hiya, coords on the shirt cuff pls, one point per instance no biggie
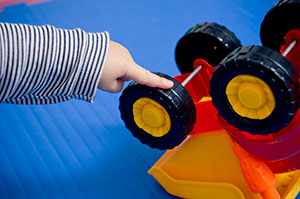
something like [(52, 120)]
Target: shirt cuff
[(97, 45)]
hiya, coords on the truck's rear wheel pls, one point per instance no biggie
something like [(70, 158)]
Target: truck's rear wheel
[(283, 17), (208, 41)]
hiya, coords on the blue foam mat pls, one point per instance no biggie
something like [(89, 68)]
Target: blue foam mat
[(80, 150)]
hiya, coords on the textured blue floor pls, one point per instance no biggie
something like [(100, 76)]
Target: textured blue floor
[(81, 150)]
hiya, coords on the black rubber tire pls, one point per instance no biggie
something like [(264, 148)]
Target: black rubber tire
[(177, 102), (283, 17), (200, 42), (271, 67)]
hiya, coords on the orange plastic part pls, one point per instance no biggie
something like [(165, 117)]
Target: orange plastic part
[(257, 174)]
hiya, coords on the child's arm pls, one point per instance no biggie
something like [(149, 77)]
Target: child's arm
[(43, 64)]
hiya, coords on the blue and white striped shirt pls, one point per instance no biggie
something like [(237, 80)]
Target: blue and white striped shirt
[(43, 64)]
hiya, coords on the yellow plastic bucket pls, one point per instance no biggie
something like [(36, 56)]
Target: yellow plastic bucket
[(204, 166)]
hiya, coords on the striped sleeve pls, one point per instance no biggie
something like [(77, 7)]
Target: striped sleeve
[(44, 65)]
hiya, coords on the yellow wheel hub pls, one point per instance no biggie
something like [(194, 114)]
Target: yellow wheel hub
[(250, 97), (151, 117)]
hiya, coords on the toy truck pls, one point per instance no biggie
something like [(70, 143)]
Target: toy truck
[(231, 121)]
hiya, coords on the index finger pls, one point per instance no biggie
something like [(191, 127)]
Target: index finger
[(143, 76)]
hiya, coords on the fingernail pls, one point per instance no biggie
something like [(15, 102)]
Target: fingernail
[(168, 83)]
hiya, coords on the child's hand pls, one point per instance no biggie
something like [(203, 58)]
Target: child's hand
[(120, 66)]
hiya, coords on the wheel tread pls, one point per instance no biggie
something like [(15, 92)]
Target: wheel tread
[(199, 41), (176, 100), (275, 68)]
